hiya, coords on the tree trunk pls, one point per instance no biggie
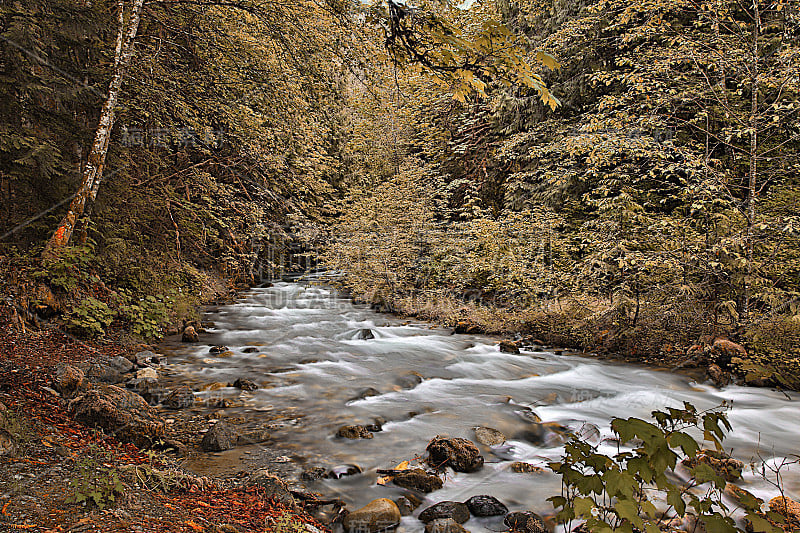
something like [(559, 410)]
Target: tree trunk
[(93, 172)]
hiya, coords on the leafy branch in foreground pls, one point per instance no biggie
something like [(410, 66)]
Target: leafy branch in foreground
[(639, 489)]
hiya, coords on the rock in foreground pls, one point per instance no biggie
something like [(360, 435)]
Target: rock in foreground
[(377, 515), (459, 454), (525, 522), (485, 505), (119, 412), (454, 510)]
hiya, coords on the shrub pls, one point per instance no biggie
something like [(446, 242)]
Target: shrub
[(89, 318)]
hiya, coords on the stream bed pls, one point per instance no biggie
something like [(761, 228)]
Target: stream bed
[(302, 343)]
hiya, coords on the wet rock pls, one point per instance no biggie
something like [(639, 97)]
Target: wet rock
[(219, 437), (459, 454), (218, 349), (718, 377), (366, 393), (119, 412), (250, 349), (338, 472), (455, 510), (525, 521), (507, 346), (354, 432), (147, 372), (417, 479), (8, 444), (489, 436), (525, 468), (180, 398), (68, 380), (410, 380), (245, 384), (146, 358), (271, 487), (225, 354), (467, 327), (148, 388), (407, 504), (190, 335), (722, 464), (788, 509), (313, 474), (365, 334), (377, 515), (444, 525), (485, 505)]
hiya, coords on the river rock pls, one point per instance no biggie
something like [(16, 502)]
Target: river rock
[(723, 350), (366, 393), (340, 471), (190, 335), (218, 349), (120, 413), (120, 364), (219, 437), (365, 334), (787, 508), (377, 515), (97, 370), (255, 436), (410, 380), (459, 454), (271, 487), (245, 384), (147, 372), (525, 522), (354, 432), (718, 377), (485, 505), (525, 468), (250, 349), (507, 346), (417, 479), (148, 388), (455, 510), (68, 380), (313, 473), (489, 436), (145, 358), (444, 525), (180, 398), (465, 326), (407, 504), (721, 463)]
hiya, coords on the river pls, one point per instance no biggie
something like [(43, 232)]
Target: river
[(301, 343)]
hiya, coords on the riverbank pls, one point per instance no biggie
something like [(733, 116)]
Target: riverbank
[(60, 474), (765, 354)]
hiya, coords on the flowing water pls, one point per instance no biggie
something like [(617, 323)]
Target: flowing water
[(312, 365)]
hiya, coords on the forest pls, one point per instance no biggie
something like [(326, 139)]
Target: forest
[(617, 178)]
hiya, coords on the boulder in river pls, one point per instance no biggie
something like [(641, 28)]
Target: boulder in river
[(68, 380), (340, 471), (525, 522), (459, 454), (245, 384), (313, 473), (485, 505), (721, 463), (217, 349), (417, 479), (366, 393), (723, 350), (407, 504), (455, 510), (377, 515), (489, 436), (190, 335), (467, 327), (250, 349), (120, 413), (718, 377), (444, 525), (365, 334), (180, 398), (507, 346), (525, 468), (219, 437), (354, 432)]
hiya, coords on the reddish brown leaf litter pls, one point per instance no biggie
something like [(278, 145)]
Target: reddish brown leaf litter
[(35, 480)]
